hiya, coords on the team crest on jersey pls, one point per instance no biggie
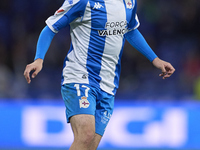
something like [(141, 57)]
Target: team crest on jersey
[(83, 102), (129, 4)]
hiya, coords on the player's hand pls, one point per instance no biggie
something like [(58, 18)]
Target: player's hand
[(166, 68), (36, 66)]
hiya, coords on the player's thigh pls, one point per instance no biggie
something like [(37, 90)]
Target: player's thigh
[(83, 125)]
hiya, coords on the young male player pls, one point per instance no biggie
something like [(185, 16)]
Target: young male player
[(91, 70)]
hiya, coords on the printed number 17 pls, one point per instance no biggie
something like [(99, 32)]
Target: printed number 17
[(78, 89)]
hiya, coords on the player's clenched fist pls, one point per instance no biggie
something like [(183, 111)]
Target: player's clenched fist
[(36, 66)]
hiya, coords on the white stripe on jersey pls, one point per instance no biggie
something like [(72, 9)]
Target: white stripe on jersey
[(111, 54), (76, 66)]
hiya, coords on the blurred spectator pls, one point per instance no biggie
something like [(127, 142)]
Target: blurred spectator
[(5, 73)]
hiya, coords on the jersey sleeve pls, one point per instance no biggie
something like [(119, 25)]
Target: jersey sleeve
[(69, 11), (134, 22), (44, 42), (136, 39)]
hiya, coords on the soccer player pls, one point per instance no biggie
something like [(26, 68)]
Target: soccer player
[(90, 77)]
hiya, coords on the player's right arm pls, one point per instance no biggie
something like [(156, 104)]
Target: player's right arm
[(43, 44), (69, 11), (35, 66)]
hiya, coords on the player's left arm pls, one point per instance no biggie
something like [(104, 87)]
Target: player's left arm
[(135, 38), (166, 68)]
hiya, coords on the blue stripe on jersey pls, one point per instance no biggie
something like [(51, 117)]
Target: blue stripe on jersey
[(96, 44), (64, 64), (76, 11), (70, 49), (133, 23), (118, 70)]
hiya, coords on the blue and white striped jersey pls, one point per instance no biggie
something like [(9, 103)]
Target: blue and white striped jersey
[(97, 29)]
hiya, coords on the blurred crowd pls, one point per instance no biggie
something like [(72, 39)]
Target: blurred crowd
[(170, 27)]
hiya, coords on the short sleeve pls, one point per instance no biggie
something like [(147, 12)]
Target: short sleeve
[(69, 11), (134, 24)]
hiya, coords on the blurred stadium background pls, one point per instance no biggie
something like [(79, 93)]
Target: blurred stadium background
[(164, 113)]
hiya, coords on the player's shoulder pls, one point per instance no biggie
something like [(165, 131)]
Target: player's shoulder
[(84, 1)]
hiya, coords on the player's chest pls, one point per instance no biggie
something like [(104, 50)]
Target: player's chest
[(108, 14)]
